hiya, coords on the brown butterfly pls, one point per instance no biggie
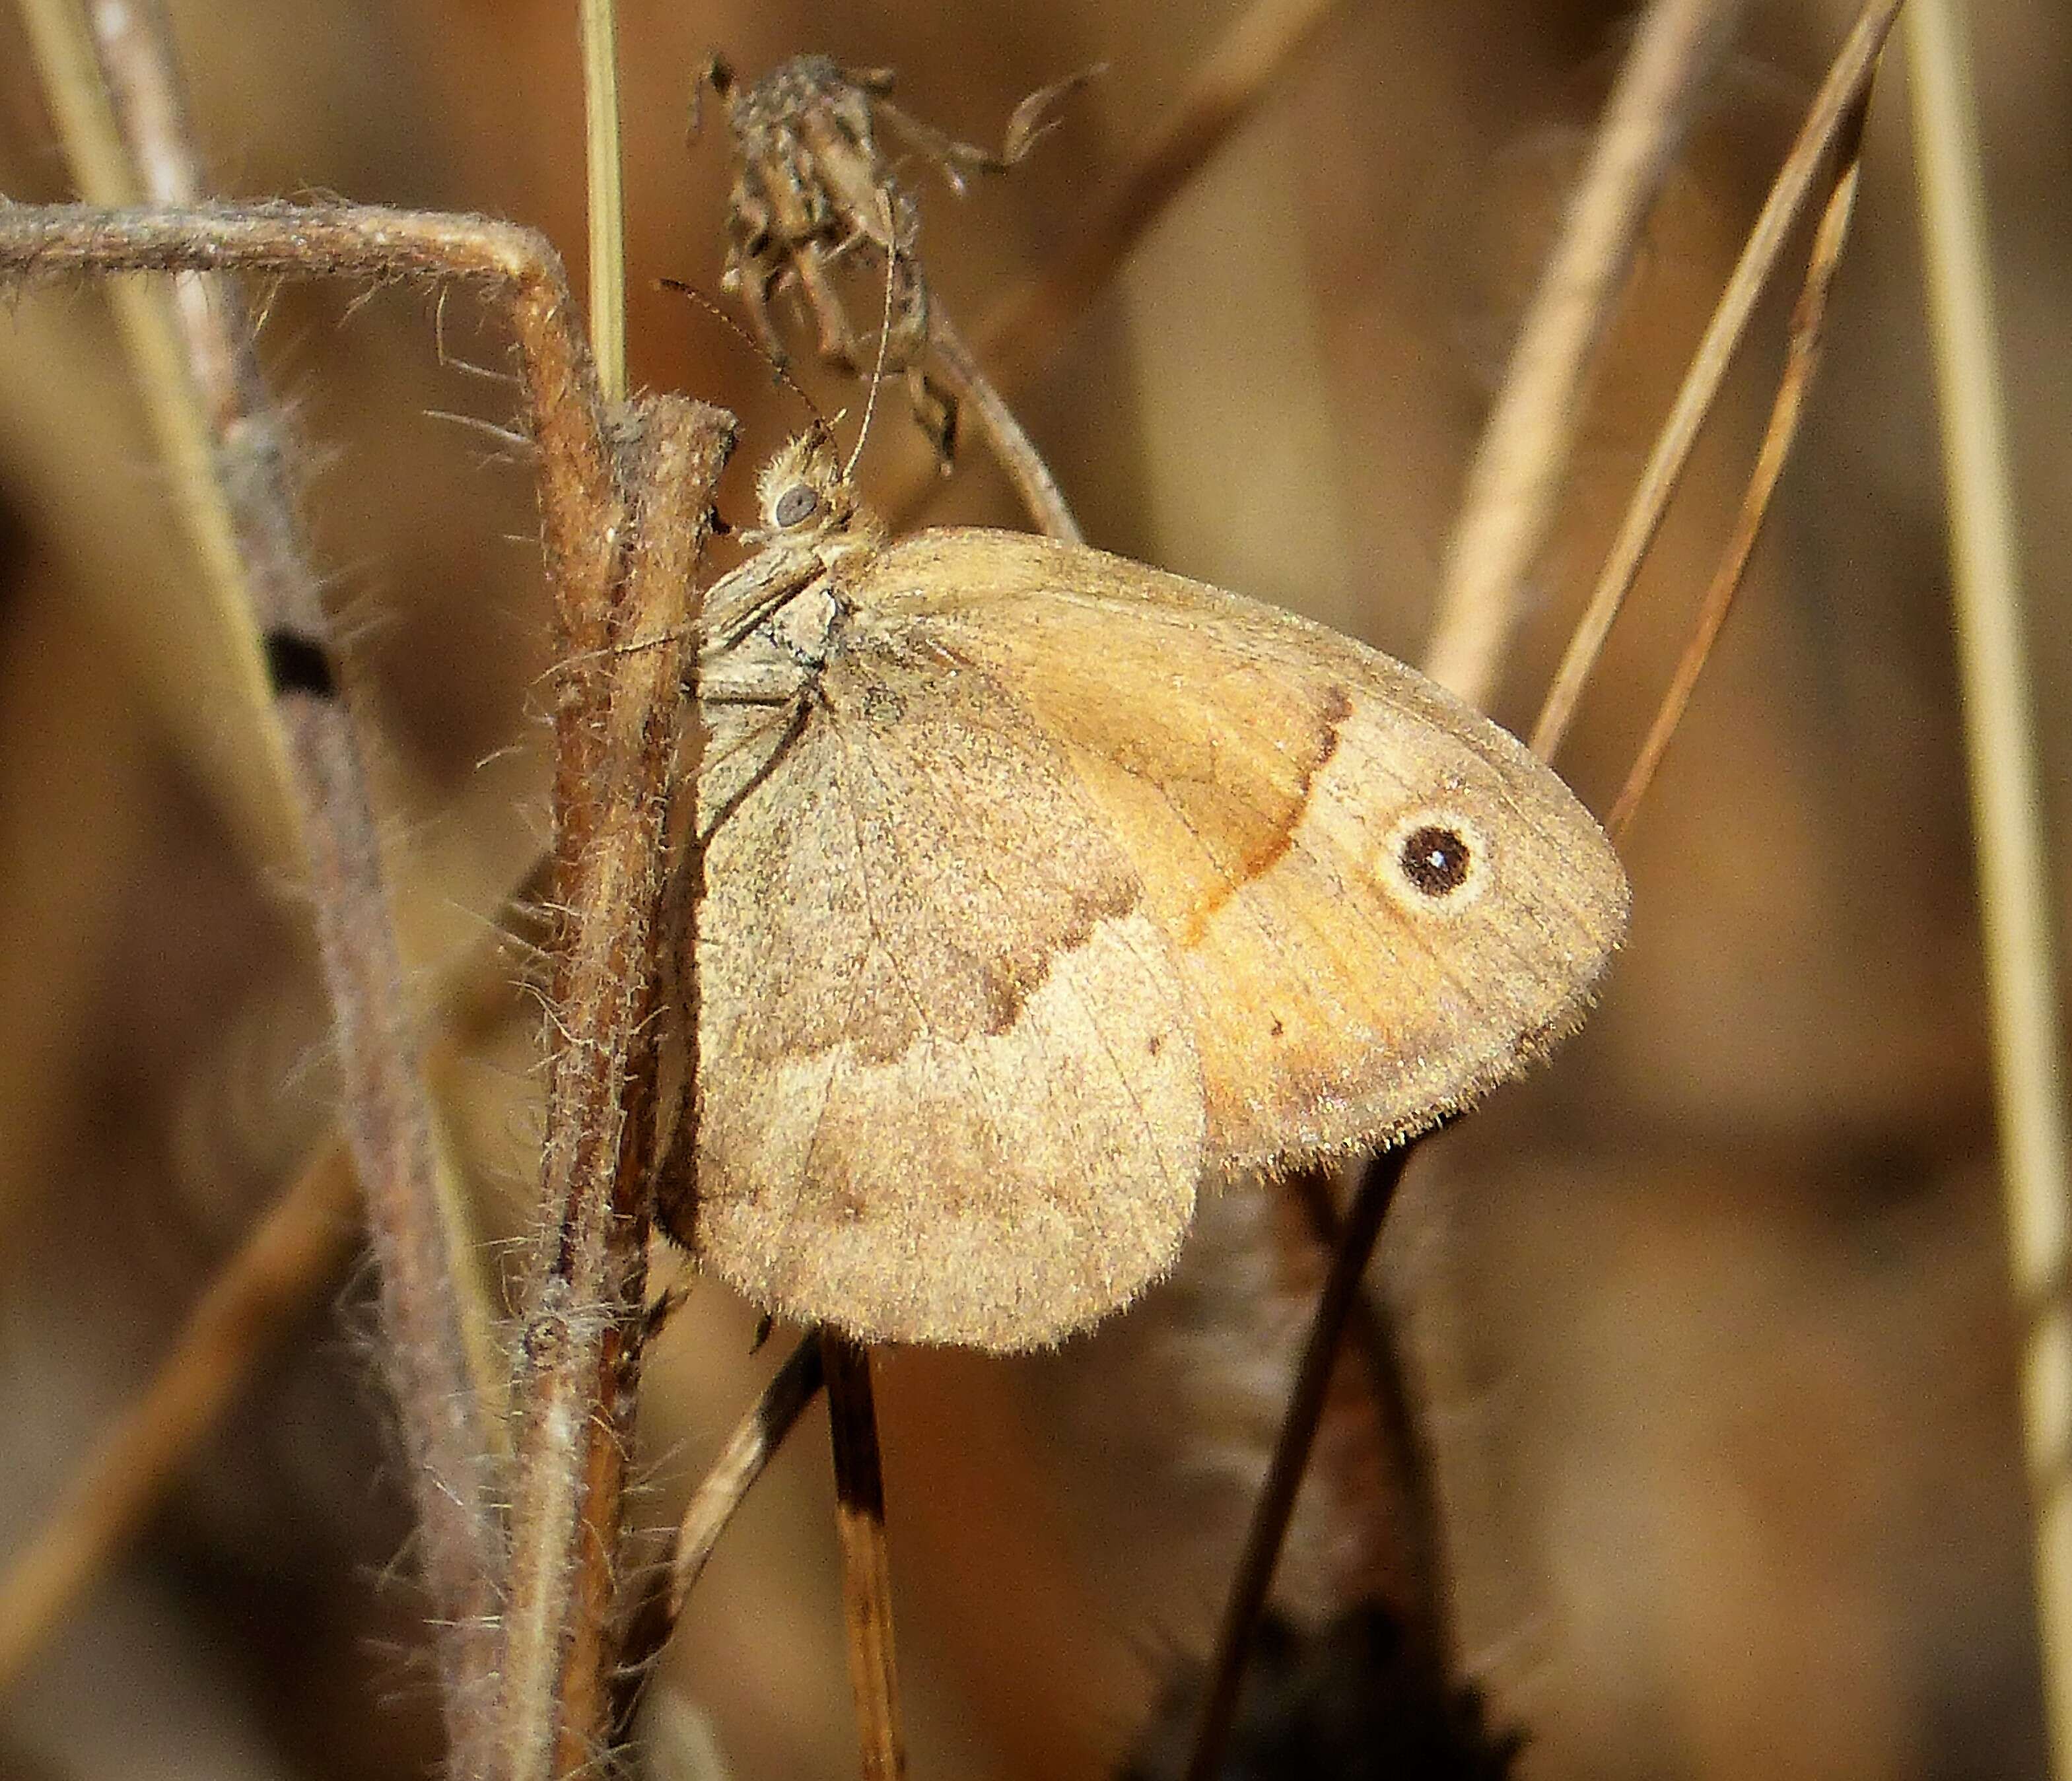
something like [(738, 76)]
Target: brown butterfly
[(1037, 888)]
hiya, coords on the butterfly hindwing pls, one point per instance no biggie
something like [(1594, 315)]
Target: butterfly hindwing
[(948, 1080)]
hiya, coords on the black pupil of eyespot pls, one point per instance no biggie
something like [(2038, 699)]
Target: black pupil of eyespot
[(796, 503), (1435, 860)]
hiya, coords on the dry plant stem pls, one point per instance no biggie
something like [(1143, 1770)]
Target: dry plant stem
[(1510, 500), (2007, 808), (426, 1266), (372, 242), (261, 802), (582, 515), (388, 1111), (1802, 357), (1225, 90), (1407, 1456), (866, 1564), (1841, 96), (1012, 447), (586, 1312), (302, 1241), (1361, 1229), (749, 1449)]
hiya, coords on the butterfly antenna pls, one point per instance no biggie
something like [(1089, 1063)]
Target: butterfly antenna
[(777, 366), (884, 333)]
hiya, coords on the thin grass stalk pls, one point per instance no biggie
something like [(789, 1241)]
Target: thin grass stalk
[(865, 1559), (1414, 1515), (1269, 1529), (1802, 357), (262, 801), (1012, 448), (2007, 808), (1840, 97), (651, 1620), (751, 1447), (604, 178), (1510, 499), (303, 1241)]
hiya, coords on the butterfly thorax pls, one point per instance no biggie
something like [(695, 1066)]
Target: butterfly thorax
[(771, 627)]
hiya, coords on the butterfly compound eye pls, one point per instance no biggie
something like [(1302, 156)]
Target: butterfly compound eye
[(796, 505), (1437, 860)]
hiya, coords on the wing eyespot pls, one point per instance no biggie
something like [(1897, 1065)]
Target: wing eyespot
[(1435, 862)]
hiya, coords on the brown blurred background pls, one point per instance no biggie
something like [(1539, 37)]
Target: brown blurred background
[(1710, 1315)]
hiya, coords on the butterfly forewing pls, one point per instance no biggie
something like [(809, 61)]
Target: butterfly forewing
[(1266, 776)]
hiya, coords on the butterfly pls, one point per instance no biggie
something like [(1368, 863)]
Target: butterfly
[(1036, 888)]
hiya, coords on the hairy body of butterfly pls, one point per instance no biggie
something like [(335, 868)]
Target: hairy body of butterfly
[(1036, 887)]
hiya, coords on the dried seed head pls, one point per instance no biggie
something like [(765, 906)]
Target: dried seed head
[(813, 189)]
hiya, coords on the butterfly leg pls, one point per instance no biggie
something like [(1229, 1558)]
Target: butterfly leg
[(737, 603), (769, 677)]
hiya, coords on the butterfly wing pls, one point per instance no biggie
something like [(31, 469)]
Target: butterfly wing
[(947, 1085), (1379, 904)]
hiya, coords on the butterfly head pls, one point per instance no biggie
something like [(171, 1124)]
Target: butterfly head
[(807, 499)]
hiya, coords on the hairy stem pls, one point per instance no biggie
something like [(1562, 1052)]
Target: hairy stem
[(1012, 447), (584, 1312), (206, 370)]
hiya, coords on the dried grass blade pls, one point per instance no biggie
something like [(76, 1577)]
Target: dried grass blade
[(255, 783), (2015, 890), (1512, 485), (1840, 97), (607, 209), (301, 1242), (1802, 358), (751, 1447), (1012, 448)]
